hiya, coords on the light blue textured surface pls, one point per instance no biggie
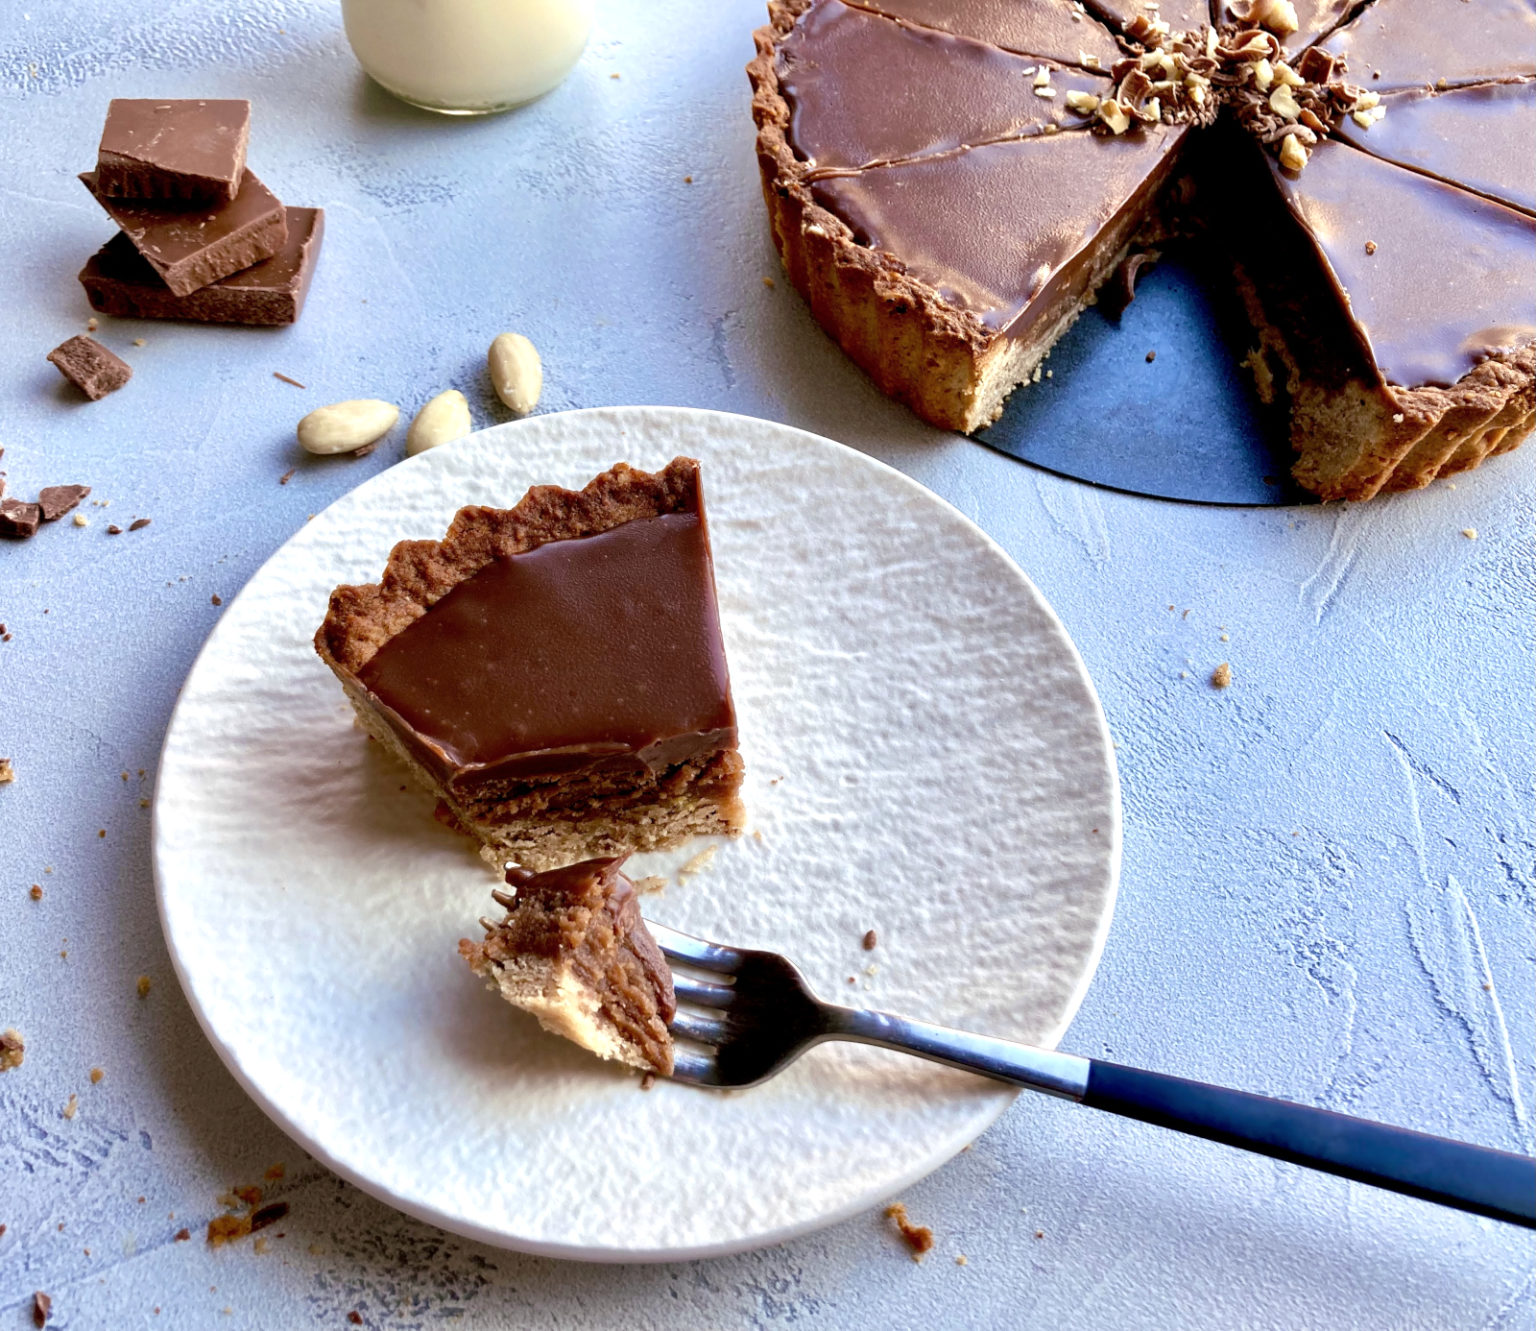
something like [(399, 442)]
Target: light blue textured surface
[(1328, 891)]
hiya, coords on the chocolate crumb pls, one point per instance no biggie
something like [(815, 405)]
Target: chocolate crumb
[(286, 476), (138, 524), (870, 940), (687, 180), (42, 1305), (1151, 356), (18, 520), (13, 1049), (36, 892), (1221, 677), (57, 500), (216, 599), (768, 282), (1370, 247), (1039, 1233), (918, 1237), (96, 1075), (182, 1235), (278, 374), (355, 1317), (274, 1172), (88, 365), (114, 530)]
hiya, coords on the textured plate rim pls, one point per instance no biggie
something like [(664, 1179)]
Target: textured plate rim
[(944, 1150)]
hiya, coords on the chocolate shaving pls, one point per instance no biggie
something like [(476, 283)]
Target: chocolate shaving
[(138, 524), (1116, 294), (42, 1305), (114, 530), (278, 374), (268, 1215)]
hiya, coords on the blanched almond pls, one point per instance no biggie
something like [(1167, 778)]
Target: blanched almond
[(517, 374), (443, 419), (345, 427)]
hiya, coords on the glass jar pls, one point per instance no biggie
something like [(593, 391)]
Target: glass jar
[(467, 57)]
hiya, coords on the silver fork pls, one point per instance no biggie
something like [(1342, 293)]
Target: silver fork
[(751, 1014)]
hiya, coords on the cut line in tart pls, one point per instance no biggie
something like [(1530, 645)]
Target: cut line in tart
[(573, 950), (555, 672), (949, 182)]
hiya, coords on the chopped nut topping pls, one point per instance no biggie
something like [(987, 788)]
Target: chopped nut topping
[(1292, 154), (1282, 103), (1113, 115), (1188, 78)]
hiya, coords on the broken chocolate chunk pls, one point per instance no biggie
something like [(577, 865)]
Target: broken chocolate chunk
[(88, 365), (56, 500), (185, 149), (119, 280), (138, 524), (191, 248), (18, 520)]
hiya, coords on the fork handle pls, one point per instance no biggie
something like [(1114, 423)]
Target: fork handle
[(1472, 1178)]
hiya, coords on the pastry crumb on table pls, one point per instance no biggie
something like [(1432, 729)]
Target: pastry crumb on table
[(919, 1238)]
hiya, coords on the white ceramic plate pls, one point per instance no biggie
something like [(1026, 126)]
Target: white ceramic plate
[(926, 757)]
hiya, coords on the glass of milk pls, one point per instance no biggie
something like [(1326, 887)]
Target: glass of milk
[(467, 57)]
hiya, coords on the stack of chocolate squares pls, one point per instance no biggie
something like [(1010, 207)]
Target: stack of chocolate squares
[(202, 238)]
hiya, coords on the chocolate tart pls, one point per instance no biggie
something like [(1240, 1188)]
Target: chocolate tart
[(554, 672), (574, 951), (949, 184)]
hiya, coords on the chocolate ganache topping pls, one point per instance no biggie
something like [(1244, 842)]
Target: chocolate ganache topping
[(598, 649)]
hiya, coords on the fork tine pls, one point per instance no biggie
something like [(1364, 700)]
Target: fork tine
[(698, 1026), (702, 992), (696, 1067), (691, 951)]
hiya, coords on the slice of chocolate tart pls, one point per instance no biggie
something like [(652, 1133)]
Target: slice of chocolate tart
[(555, 672)]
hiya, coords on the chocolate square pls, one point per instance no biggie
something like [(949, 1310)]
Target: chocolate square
[(119, 281), (184, 149), (192, 247), (88, 365)]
